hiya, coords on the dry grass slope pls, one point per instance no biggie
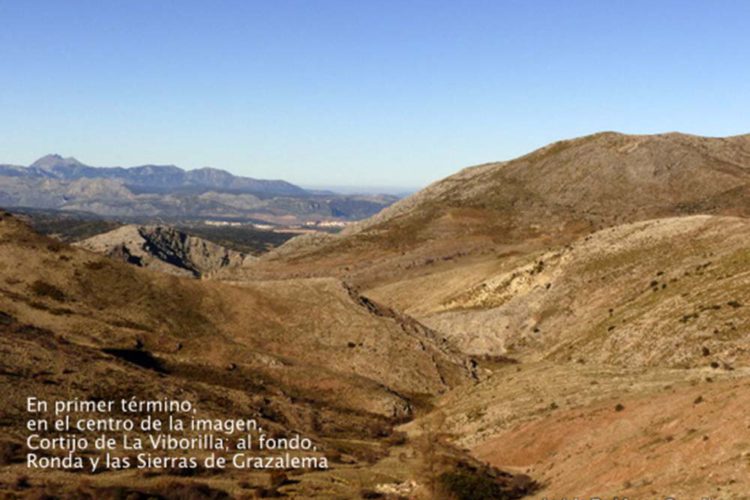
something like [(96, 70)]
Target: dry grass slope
[(309, 356)]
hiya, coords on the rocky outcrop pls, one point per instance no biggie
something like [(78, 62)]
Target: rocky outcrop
[(165, 249)]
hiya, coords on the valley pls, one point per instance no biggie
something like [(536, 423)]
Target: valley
[(573, 322)]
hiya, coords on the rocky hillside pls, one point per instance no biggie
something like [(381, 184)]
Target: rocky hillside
[(667, 292), (602, 285), (577, 316), (164, 249), (597, 431), (550, 196), (309, 356)]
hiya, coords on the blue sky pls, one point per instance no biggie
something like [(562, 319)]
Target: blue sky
[(387, 92)]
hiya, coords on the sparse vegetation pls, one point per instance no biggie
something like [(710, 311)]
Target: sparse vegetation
[(463, 485), (309, 355), (43, 289)]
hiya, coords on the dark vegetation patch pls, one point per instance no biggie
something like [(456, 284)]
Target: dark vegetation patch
[(6, 319), (494, 359), (245, 239), (68, 227), (11, 453), (43, 289), (95, 265), (22, 482), (469, 482), (144, 359), (366, 493), (121, 252), (688, 317), (55, 246)]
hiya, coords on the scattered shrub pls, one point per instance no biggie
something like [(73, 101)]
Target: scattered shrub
[(95, 265), (688, 317), (277, 478), (397, 438), (465, 486), (10, 452), (43, 289), (22, 482), (6, 319), (55, 246)]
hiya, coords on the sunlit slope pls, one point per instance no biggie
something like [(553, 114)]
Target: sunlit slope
[(550, 196), (669, 292), (308, 356), (594, 430)]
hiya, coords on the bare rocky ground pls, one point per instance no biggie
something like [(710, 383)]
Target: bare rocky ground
[(164, 249)]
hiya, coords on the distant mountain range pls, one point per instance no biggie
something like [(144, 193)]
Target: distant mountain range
[(54, 182), (154, 178)]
